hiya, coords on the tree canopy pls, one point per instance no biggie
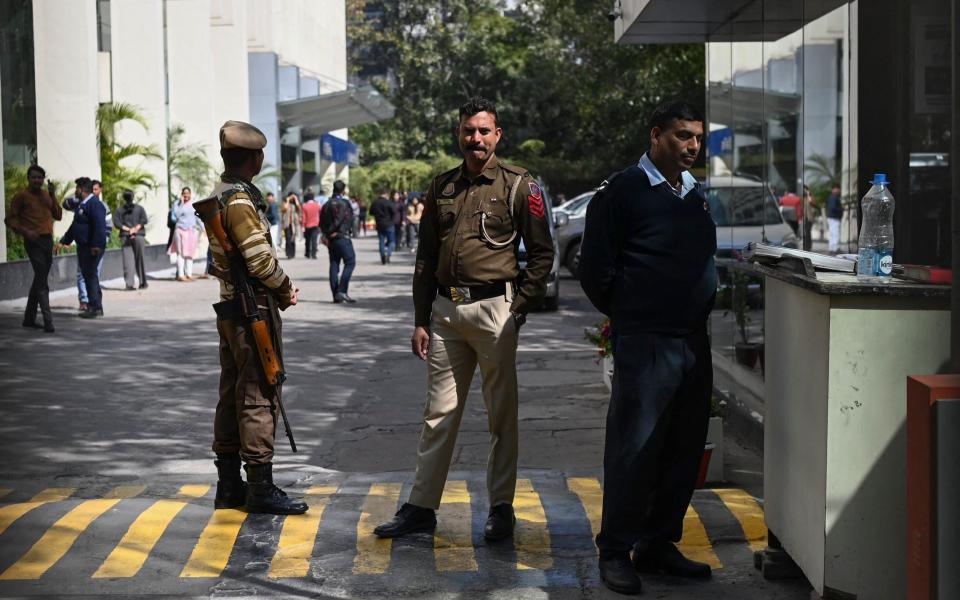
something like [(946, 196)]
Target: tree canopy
[(573, 104)]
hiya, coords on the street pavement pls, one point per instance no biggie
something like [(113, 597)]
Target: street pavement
[(106, 487)]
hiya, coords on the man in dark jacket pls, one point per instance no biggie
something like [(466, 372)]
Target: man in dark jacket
[(89, 231), (131, 219), (384, 213), (336, 223), (647, 262)]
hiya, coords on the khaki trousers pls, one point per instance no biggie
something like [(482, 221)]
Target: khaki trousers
[(246, 417), (463, 336)]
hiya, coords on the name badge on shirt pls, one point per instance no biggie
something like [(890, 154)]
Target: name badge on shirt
[(444, 201)]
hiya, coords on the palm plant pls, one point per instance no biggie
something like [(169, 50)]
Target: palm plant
[(116, 170), (187, 163)]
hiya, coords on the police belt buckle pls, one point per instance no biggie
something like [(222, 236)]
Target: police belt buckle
[(460, 294)]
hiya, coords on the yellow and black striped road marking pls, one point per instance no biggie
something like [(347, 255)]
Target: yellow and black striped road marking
[(557, 517)]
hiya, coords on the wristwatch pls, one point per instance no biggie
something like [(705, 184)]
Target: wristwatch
[(518, 319)]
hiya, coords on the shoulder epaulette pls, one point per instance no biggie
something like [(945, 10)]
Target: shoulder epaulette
[(513, 169)]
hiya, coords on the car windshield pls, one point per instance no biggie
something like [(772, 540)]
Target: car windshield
[(742, 207), (573, 205)]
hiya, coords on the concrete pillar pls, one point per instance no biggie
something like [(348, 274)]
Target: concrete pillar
[(67, 90), (263, 76), (139, 78), (190, 78), (230, 68)]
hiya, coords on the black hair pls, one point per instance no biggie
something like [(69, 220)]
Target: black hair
[(339, 186), (36, 168), (235, 158), (185, 189), (96, 182), (270, 194), (308, 196), (479, 104), (664, 114), (127, 195), (85, 184)]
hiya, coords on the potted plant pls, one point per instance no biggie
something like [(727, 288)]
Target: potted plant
[(718, 409), (599, 336), (747, 352)]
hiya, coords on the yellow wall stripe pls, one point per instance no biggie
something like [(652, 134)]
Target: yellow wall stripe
[(748, 512), (128, 557), (213, 549), (591, 497), (60, 537), (531, 538), (453, 541), (299, 534), (373, 553), (12, 512), (695, 544)]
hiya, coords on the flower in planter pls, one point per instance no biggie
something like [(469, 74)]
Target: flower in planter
[(599, 336)]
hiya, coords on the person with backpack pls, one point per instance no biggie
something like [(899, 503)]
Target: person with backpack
[(336, 223)]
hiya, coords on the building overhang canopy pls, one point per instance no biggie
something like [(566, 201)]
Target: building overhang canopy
[(317, 115), (691, 21)]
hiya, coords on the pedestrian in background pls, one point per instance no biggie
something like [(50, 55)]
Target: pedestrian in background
[(649, 228), (791, 207), (834, 218), (336, 221), (355, 209), (186, 236), (290, 221), (273, 218), (414, 212), (131, 219), (32, 213), (399, 217), (362, 218), (89, 231), (810, 214), (311, 225), (383, 210), (468, 310), (71, 203)]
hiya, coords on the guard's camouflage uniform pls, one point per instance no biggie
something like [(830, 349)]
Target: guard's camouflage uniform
[(246, 417)]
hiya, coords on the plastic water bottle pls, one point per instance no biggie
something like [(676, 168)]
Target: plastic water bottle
[(875, 256)]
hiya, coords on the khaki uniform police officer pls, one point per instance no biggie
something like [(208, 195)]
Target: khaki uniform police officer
[(470, 300), (246, 419)]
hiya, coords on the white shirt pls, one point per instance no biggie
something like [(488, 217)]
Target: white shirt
[(688, 181)]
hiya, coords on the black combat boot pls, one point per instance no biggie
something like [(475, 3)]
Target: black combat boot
[(264, 497), (231, 490)]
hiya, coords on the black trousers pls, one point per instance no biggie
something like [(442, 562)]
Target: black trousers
[(656, 428), (88, 268), (291, 241), (133, 247), (311, 234), (40, 253)]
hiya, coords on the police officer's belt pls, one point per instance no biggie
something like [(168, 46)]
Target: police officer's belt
[(476, 292)]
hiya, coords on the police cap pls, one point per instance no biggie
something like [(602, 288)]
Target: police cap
[(237, 134)]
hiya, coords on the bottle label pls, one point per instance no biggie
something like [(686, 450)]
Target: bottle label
[(884, 262), (867, 262)]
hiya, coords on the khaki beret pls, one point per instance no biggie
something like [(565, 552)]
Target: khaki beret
[(237, 134)]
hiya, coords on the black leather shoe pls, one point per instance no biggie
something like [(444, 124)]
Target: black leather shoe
[(664, 557), (500, 523), (91, 313), (348, 299), (409, 519), (31, 325), (264, 497), (619, 575), (338, 299), (48, 328), (231, 490)]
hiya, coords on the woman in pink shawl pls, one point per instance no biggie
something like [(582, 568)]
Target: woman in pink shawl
[(185, 236)]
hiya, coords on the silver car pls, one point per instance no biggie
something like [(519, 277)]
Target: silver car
[(570, 230)]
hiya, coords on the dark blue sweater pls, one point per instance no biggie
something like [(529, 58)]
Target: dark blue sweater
[(89, 225), (646, 259)]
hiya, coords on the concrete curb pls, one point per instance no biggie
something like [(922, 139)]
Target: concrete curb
[(744, 394)]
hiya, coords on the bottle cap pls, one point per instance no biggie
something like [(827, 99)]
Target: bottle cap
[(880, 179)]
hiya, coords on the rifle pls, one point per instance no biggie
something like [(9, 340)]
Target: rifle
[(271, 365)]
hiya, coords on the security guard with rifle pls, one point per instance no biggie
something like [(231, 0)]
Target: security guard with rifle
[(253, 289)]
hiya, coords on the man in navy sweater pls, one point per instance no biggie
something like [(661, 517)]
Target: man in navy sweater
[(89, 231), (647, 262)]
